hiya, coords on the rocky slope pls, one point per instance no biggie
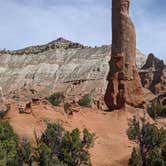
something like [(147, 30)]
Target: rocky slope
[(60, 65), (107, 144), (153, 75)]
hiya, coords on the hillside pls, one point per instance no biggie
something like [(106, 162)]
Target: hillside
[(63, 66), (60, 65), (107, 144)]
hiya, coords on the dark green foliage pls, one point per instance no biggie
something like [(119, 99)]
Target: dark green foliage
[(25, 153), (8, 145), (53, 137), (66, 107), (134, 129), (151, 143), (73, 153), (88, 138), (2, 114), (56, 98), (157, 110), (135, 159), (7, 133), (154, 157), (163, 153), (11, 153), (56, 147), (85, 101), (46, 157), (66, 147), (44, 154)]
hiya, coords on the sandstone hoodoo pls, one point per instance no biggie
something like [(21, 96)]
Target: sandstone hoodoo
[(124, 85)]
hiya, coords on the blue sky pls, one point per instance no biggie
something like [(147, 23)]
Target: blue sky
[(149, 17), (31, 22)]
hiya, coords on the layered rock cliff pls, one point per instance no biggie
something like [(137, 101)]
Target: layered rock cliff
[(153, 75), (59, 66)]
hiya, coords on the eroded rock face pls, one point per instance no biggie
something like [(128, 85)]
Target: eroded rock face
[(69, 68), (153, 75), (124, 85)]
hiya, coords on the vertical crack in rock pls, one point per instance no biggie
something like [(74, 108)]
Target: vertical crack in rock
[(124, 85)]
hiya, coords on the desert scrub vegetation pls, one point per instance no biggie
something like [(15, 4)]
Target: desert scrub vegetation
[(156, 110), (2, 114), (56, 98), (66, 107), (64, 148), (56, 147), (11, 152), (85, 101), (8, 145), (151, 141)]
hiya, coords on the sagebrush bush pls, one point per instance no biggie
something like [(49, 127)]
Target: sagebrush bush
[(135, 159), (56, 98), (57, 147), (11, 152), (2, 114), (25, 153), (151, 150), (157, 110), (85, 101), (64, 147), (8, 145), (66, 107)]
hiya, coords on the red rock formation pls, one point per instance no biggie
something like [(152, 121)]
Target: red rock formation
[(124, 85)]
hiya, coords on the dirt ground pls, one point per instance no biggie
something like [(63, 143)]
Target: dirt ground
[(111, 148)]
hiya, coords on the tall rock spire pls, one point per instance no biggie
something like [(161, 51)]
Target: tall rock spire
[(124, 85)]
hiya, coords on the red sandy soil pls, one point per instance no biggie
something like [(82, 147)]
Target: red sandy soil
[(112, 147)]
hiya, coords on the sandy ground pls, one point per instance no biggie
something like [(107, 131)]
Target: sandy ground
[(112, 147)]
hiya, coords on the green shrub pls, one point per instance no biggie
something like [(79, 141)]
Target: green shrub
[(151, 143), (11, 153), (66, 147), (46, 157), (56, 98), (88, 138), (44, 154), (53, 137), (154, 157), (135, 159), (66, 107), (56, 147), (7, 133), (25, 153), (157, 110), (8, 145), (2, 114), (85, 101)]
